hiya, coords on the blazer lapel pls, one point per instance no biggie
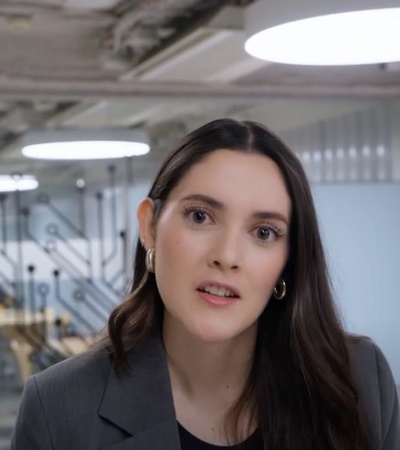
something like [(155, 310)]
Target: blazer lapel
[(140, 402)]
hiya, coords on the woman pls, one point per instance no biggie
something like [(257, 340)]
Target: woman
[(229, 338)]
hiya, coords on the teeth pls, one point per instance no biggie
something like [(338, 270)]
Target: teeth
[(219, 291)]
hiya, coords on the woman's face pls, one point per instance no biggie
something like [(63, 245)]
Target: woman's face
[(221, 243)]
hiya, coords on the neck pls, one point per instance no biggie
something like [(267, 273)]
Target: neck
[(207, 368)]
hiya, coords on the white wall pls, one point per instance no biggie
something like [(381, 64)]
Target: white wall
[(360, 226)]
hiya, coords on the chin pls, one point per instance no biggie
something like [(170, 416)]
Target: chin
[(214, 334)]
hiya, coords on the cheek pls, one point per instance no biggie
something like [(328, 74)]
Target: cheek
[(172, 244), (166, 250), (168, 243), (175, 241), (266, 270)]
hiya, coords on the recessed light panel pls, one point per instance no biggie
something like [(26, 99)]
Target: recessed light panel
[(349, 38)]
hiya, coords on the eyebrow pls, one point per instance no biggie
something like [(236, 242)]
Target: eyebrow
[(216, 204)]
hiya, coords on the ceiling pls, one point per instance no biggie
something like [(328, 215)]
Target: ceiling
[(169, 65)]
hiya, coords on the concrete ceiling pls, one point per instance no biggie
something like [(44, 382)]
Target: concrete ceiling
[(167, 65)]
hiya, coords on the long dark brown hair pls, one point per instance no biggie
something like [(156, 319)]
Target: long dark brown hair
[(300, 390)]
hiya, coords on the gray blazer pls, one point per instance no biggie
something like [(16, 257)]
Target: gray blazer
[(81, 404)]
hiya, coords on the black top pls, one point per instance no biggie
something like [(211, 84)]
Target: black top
[(190, 442)]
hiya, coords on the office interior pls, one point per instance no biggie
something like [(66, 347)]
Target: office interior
[(160, 69)]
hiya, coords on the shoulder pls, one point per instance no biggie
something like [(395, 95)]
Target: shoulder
[(75, 372), (365, 352), (71, 383), (61, 400), (369, 365), (377, 392)]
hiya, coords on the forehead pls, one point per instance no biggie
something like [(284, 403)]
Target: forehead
[(248, 180)]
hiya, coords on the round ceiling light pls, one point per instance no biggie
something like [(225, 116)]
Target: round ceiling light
[(324, 33), (85, 144), (17, 182)]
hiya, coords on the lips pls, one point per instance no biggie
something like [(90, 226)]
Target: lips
[(219, 289)]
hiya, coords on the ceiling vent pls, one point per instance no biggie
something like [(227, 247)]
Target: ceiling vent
[(212, 53)]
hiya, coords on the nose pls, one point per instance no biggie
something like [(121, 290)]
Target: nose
[(226, 251)]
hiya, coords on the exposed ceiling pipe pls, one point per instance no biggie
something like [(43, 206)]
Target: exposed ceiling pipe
[(133, 29), (142, 8), (100, 90), (130, 19), (27, 10)]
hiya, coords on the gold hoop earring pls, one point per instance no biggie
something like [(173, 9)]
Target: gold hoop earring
[(279, 291), (150, 260)]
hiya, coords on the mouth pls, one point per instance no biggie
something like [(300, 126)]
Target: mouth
[(218, 290)]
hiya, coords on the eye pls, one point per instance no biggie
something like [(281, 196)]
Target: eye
[(267, 234), (198, 216), (263, 233)]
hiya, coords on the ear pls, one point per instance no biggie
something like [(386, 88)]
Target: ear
[(145, 213)]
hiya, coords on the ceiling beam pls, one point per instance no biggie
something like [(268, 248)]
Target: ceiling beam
[(77, 90)]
